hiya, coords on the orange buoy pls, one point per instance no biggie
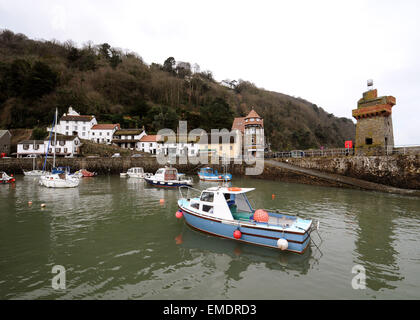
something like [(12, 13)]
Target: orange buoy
[(273, 196), (162, 201), (237, 234), (261, 215), (29, 203), (179, 214), (234, 189)]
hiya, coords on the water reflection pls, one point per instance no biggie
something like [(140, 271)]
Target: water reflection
[(243, 255), (375, 242)]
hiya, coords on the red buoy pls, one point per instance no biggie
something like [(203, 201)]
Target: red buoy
[(237, 234), (178, 214)]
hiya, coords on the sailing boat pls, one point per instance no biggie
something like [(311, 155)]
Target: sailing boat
[(34, 172), (57, 180)]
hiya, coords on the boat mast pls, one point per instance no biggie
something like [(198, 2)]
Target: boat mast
[(55, 136)]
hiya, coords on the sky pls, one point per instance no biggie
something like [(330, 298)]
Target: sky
[(321, 51)]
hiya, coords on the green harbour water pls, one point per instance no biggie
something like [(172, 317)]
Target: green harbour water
[(117, 241)]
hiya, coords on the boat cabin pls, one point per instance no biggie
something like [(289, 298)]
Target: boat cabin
[(224, 203), (136, 170), (208, 171), (167, 173)]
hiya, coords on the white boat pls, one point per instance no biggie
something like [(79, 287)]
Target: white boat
[(61, 179), (167, 177), (136, 172), (34, 172), (5, 178), (123, 175)]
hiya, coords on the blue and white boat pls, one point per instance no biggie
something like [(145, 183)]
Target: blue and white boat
[(168, 177), (226, 212), (208, 174)]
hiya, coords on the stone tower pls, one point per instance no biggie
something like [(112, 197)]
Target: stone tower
[(374, 133)]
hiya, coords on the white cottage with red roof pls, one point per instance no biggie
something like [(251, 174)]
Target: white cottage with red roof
[(103, 133)]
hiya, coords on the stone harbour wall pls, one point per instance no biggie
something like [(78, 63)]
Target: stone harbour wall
[(401, 171)]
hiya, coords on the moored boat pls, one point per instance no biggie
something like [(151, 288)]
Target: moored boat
[(208, 174), (167, 177), (226, 212), (84, 173), (5, 178), (59, 177), (137, 172)]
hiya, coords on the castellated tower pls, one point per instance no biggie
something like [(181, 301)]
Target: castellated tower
[(374, 133)]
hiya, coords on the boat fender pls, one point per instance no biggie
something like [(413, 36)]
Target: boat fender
[(237, 234), (282, 244), (178, 214)]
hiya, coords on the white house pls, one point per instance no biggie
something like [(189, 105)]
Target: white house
[(128, 138), (149, 144), (103, 133), (72, 123), (65, 146), (28, 147)]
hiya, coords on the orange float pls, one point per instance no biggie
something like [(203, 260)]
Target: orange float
[(261, 215), (234, 189)]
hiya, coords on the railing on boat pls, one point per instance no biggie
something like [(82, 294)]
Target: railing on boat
[(187, 191)]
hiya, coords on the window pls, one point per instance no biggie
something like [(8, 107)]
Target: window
[(25, 146), (67, 127), (369, 140), (83, 133), (207, 196), (57, 150), (75, 127), (67, 133), (93, 133), (65, 150), (107, 133), (207, 208), (84, 128), (195, 205), (100, 133), (62, 143), (231, 148), (150, 145)]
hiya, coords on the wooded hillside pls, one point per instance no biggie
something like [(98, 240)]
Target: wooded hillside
[(117, 86)]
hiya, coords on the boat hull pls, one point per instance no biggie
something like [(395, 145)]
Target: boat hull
[(250, 233), (53, 182), (214, 178), (167, 184)]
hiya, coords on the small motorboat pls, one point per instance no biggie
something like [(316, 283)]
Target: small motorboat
[(83, 173), (5, 178), (137, 172), (226, 212), (123, 175), (168, 177), (208, 174)]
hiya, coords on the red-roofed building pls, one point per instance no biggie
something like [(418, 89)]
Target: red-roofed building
[(252, 129), (103, 133), (149, 143)]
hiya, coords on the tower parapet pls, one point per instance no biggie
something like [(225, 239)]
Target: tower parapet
[(374, 132)]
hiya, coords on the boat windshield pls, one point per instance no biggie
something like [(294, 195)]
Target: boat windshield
[(238, 202)]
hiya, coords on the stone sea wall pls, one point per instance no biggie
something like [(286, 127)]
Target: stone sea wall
[(401, 171)]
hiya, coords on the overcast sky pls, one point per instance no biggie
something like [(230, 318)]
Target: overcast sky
[(322, 51)]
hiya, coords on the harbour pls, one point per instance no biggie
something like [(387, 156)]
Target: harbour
[(117, 239)]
